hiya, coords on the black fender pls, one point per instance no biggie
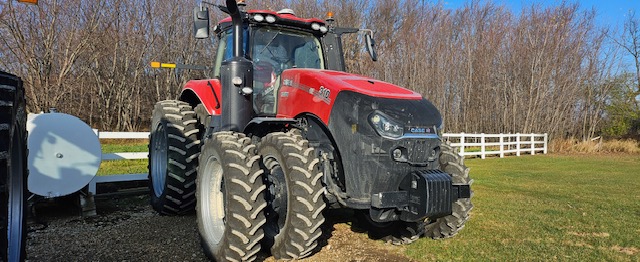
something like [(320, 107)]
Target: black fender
[(261, 126), (318, 134)]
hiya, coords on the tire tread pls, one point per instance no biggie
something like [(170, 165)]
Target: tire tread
[(12, 121), (183, 132), (449, 226), (245, 202), (300, 235)]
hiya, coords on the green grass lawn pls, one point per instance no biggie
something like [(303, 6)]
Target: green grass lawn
[(132, 166), (548, 207), (114, 146)]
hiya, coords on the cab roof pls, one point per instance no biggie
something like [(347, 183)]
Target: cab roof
[(281, 18)]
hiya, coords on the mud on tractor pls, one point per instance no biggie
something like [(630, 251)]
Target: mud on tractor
[(283, 133)]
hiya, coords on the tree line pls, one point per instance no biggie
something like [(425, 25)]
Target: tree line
[(487, 68)]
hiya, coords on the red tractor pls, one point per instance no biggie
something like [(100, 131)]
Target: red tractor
[(283, 133)]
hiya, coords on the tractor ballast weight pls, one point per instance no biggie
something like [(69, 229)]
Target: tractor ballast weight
[(306, 136)]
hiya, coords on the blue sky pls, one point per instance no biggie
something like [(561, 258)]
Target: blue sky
[(610, 12)]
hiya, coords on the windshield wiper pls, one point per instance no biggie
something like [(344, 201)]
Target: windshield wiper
[(269, 43)]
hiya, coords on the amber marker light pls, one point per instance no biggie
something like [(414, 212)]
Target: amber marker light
[(162, 65), (329, 15)]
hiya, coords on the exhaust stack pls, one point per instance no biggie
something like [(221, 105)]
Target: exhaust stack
[(237, 77)]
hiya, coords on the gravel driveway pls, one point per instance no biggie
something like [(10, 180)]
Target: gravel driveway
[(127, 229)]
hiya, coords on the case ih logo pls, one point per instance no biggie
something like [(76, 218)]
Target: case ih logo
[(420, 130)]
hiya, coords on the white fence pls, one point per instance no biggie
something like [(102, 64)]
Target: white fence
[(468, 144), (120, 156), (498, 144)]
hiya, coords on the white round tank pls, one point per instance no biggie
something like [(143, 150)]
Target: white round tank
[(64, 154)]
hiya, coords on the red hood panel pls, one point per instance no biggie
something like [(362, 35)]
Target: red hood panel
[(341, 81), (313, 91)]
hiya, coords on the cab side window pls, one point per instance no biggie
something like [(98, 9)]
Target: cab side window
[(306, 56), (224, 52), (225, 49)]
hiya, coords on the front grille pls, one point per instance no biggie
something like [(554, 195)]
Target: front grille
[(421, 151)]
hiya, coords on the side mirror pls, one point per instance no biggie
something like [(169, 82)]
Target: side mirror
[(371, 46), (201, 22)]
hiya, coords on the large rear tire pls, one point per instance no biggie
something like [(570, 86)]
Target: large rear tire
[(13, 170), (174, 145), (449, 226), (295, 195), (230, 195)]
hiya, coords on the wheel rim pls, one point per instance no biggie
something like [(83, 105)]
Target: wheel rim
[(213, 200), (16, 199), (277, 195), (159, 160)]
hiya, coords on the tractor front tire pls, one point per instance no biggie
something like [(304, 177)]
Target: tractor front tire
[(394, 232), (174, 145), (295, 195), (448, 226), (13, 169), (230, 193)]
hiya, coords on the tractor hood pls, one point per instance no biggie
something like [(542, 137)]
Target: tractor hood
[(316, 91), (336, 81)]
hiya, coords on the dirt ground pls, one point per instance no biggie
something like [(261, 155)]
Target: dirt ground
[(127, 229)]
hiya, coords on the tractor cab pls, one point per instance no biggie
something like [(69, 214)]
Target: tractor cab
[(274, 42), (272, 49)]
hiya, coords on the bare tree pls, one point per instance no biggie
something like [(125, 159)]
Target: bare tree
[(46, 42), (546, 69)]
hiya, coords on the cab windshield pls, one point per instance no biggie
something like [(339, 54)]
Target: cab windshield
[(286, 49), (274, 50)]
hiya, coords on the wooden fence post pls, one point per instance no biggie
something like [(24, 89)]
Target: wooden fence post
[(501, 145), (482, 146), (546, 140), (462, 144), (533, 144), (517, 144)]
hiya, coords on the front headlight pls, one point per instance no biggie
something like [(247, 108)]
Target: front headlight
[(385, 126)]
